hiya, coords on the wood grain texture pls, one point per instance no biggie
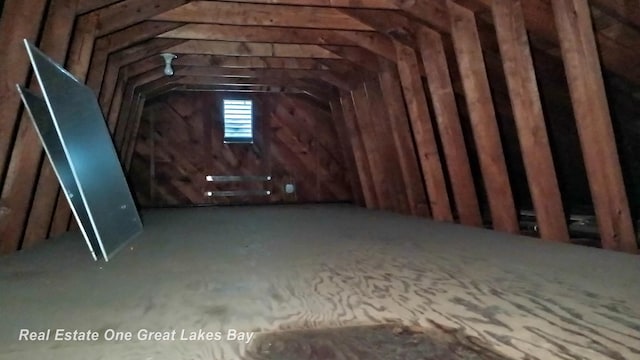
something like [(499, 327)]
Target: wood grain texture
[(16, 65), (181, 138), (401, 131), (218, 12), (445, 108), (27, 155), (597, 139), (292, 268), (347, 152), (423, 133), (372, 148), (359, 151), (486, 134), (529, 119)]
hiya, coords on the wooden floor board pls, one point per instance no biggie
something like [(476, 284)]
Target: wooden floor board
[(275, 268)]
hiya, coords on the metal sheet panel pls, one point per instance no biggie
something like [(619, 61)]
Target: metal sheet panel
[(90, 152), (37, 109)]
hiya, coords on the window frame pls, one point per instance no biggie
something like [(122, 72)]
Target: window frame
[(237, 140)]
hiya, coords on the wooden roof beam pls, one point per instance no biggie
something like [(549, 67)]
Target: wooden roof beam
[(233, 13), (370, 40)]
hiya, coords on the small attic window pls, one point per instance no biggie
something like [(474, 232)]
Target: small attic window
[(238, 121)]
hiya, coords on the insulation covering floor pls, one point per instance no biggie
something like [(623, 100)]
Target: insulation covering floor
[(322, 282)]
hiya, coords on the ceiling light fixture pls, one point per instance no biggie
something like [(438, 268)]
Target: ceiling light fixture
[(168, 58)]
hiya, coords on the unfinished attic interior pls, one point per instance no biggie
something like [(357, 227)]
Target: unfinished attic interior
[(320, 179)]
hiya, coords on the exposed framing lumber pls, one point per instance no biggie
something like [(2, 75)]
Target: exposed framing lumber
[(27, 155), (130, 142), (217, 12), (359, 152), (119, 40), (61, 216), (582, 66), (367, 133), (347, 152), (374, 41), (126, 57), (423, 133), (401, 130), (368, 4), (483, 119), (130, 12), (448, 121), (387, 149), (16, 65), (529, 119), (57, 35), (252, 49), (79, 57)]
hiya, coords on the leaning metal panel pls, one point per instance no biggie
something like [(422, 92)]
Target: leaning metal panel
[(92, 157), (37, 109)]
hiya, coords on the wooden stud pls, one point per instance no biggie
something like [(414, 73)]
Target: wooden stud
[(582, 66), (529, 119), (359, 152), (447, 118), (133, 138), (15, 65), (423, 133), (387, 148), (347, 151), (27, 155), (55, 41), (483, 118), (79, 57), (367, 132), (401, 130)]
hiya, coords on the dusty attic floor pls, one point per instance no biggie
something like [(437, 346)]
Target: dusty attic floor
[(267, 282)]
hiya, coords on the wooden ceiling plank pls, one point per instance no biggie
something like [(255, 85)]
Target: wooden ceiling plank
[(401, 131), (79, 57), (85, 6), (228, 13), (251, 49), (373, 41), (360, 4), (24, 180), (529, 119), (359, 152), (130, 12), (582, 67), (484, 125), (119, 40), (125, 57), (448, 121), (423, 133)]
